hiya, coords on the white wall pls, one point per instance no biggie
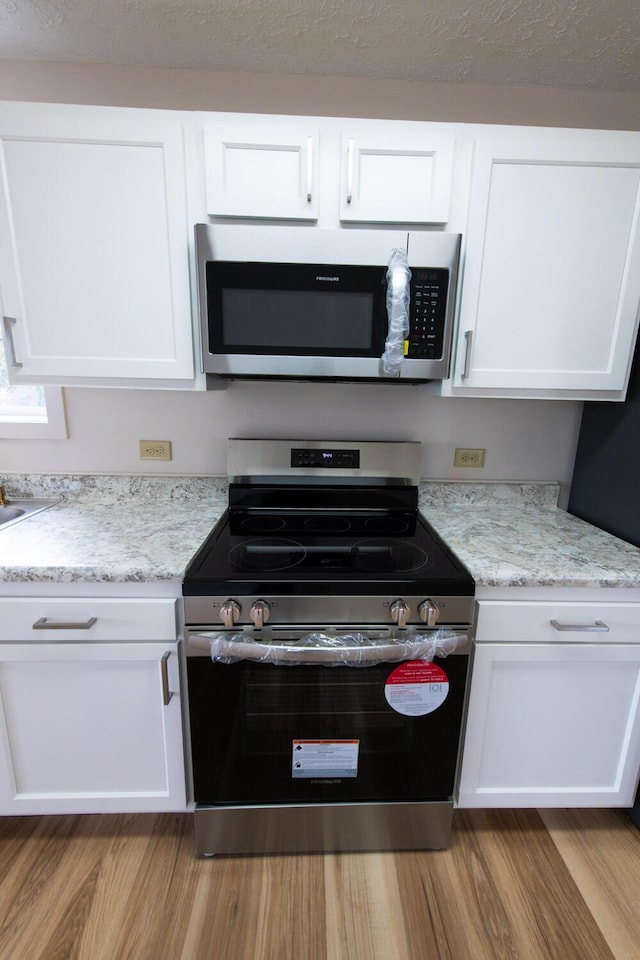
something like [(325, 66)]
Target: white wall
[(524, 439), (318, 96)]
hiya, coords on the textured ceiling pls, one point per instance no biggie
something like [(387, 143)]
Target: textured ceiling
[(577, 43)]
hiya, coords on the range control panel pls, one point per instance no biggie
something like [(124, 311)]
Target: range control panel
[(327, 457), (427, 313)]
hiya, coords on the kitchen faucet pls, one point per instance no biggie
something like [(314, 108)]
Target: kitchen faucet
[(3, 496)]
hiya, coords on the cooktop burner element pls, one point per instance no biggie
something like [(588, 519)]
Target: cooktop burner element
[(384, 556), (268, 554)]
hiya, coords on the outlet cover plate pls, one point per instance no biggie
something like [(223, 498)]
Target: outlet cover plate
[(155, 449), (469, 457)]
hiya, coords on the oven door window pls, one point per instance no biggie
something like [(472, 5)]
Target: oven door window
[(296, 309), (246, 720)]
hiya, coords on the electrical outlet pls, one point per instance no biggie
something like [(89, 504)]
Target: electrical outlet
[(469, 457), (155, 449)]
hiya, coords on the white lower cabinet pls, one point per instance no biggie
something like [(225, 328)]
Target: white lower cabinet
[(88, 726), (553, 715)]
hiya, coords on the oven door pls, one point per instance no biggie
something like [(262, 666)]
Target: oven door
[(325, 729)]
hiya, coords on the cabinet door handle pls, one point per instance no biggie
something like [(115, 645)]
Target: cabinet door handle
[(10, 348), (468, 336), (164, 673), (309, 169), (44, 623), (350, 171), (599, 626)]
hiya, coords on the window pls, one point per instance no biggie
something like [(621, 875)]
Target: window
[(31, 411)]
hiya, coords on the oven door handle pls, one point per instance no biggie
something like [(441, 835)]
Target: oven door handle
[(332, 651)]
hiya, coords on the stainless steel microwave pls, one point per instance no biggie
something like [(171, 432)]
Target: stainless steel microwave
[(298, 303)]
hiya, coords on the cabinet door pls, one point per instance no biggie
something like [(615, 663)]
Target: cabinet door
[(94, 267), (552, 265), (262, 168), (89, 728), (392, 175), (552, 725)]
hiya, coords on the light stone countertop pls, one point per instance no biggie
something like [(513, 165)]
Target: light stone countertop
[(109, 529), (145, 529), (527, 542)]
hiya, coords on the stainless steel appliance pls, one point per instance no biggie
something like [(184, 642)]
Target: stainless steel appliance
[(327, 643), (290, 303)]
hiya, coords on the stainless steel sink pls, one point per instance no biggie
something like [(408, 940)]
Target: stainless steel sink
[(10, 513), (17, 510)]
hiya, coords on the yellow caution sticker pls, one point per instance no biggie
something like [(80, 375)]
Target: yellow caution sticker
[(406, 348)]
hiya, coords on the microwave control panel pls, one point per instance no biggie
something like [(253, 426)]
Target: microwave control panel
[(428, 302)]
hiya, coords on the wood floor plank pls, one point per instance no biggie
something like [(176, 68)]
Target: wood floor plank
[(364, 913), (499, 892), (131, 888), (30, 886), (602, 851), (118, 851)]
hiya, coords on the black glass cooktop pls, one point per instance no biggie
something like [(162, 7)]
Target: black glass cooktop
[(311, 549)]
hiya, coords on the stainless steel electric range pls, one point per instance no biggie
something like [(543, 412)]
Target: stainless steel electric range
[(327, 646)]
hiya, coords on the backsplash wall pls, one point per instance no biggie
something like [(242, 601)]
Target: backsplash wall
[(524, 439)]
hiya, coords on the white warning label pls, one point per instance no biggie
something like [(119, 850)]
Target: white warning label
[(325, 758), (416, 688)]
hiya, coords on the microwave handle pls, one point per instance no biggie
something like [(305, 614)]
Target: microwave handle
[(309, 169)]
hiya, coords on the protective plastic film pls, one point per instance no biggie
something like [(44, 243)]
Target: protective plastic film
[(348, 649), (398, 280)]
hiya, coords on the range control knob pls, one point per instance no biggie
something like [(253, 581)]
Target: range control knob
[(399, 612), (230, 612), (429, 612), (259, 613)]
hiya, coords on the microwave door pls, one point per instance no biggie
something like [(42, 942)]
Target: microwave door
[(295, 319)]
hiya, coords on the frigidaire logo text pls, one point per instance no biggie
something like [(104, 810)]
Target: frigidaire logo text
[(328, 278)]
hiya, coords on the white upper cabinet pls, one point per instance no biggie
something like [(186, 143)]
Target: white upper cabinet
[(94, 266), (262, 167), (315, 168), (391, 175), (552, 264)]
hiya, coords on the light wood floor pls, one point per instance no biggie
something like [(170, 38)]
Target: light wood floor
[(510, 886)]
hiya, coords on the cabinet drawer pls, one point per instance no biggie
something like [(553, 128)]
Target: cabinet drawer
[(505, 621), (65, 620)]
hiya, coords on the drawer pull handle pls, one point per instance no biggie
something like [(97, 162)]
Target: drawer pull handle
[(44, 623), (598, 627), (164, 673)]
